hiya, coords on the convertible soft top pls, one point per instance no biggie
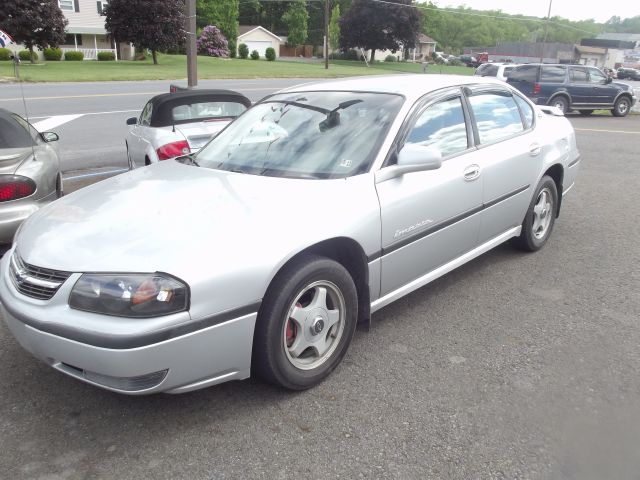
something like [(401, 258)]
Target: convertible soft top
[(165, 103)]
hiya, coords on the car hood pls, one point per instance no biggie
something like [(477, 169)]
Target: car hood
[(12, 158), (170, 217)]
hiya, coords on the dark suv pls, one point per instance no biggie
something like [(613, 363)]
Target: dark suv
[(572, 87)]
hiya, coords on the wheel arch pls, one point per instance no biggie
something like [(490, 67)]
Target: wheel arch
[(561, 93), (351, 256), (556, 172)]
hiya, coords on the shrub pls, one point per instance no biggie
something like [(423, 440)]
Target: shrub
[(270, 54), (243, 51), (5, 54), (25, 55), (73, 56), (106, 56), (52, 54), (390, 58), (255, 55), (212, 42)]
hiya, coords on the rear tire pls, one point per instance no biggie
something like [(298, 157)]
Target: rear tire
[(540, 218), (561, 103), (621, 107), (305, 323)]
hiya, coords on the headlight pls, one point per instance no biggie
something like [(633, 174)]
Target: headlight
[(130, 295)]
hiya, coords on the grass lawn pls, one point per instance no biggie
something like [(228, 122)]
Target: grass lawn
[(175, 67)]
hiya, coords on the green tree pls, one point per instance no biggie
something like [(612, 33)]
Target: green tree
[(224, 15), (33, 22), (380, 26), (157, 25), (334, 28), (296, 18)]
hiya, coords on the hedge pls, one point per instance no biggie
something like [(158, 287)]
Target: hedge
[(270, 54), (5, 54), (52, 54), (106, 56), (73, 56), (25, 55)]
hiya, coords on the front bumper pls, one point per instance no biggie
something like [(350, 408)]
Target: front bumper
[(200, 358)]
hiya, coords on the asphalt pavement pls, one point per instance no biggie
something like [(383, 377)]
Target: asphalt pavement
[(514, 366)]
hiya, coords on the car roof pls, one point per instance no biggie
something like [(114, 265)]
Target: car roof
[(165, 102), (412, 86)]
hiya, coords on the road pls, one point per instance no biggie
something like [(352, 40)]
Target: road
[(515, 366)]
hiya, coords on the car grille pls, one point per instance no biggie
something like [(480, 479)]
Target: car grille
[(35, 282)]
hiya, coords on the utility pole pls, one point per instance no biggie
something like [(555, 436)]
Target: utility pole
[(326, 34), (190, 27), (546, 30)]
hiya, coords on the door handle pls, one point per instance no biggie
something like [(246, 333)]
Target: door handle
[(471, 172), (535, 149)]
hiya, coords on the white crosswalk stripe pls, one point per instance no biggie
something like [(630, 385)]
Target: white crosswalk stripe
[(53, 122)]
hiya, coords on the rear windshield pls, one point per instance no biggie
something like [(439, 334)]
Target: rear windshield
[(487, 70), (208, 110), (13, 135)]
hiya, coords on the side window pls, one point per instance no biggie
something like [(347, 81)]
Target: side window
[(527, 111), (496, 115), (441, 125), (145, 116), (596, 76), (578, 75), (553, 74), (526, 73)]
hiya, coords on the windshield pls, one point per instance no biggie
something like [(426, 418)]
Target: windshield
[(305, 135)]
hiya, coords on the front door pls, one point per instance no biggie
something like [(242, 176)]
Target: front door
[(430, 217)]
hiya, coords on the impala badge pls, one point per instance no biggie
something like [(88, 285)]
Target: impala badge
[(412, 228)]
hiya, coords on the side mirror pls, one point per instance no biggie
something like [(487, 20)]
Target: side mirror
[(608, 80), (50, 136), (412, 158), (132, 121)]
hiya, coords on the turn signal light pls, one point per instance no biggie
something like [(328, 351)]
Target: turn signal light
[(536, 88), (172, 150), (13, 187)]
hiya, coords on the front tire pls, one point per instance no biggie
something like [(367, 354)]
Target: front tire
[(305, 323), (540, 218), (621, 107)]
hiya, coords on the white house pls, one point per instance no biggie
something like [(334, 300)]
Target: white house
[(258, 38), (86, 31)]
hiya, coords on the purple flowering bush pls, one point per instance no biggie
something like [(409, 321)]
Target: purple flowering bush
[(212, 42)]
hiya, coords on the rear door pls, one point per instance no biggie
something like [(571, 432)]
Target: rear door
[(430, 217), (509, 155)]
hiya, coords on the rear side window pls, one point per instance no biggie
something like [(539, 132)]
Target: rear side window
[(507, 71), (527, 73), (552, 74), (527, 111), (497, 115)]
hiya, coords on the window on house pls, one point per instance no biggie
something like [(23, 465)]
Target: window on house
[(69, 39), (66, 5), (100, 6)]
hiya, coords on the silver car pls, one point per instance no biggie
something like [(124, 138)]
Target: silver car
[(177, 123), (29, 172), (259, 255)]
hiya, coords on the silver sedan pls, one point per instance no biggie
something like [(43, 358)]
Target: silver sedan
[(29, 172), (259, 255)]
